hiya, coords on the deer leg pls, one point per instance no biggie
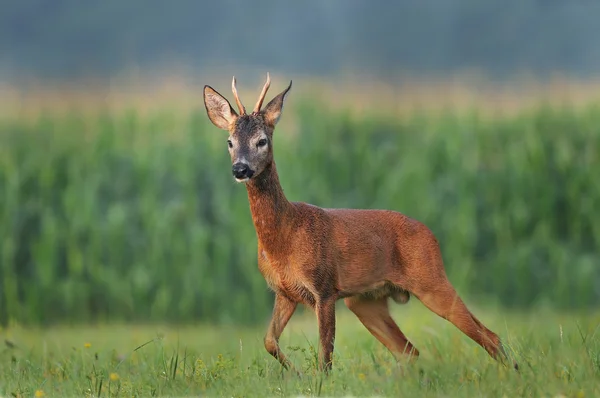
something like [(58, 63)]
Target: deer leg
[(325, 310), (282, 312), (443, 300), (375, 316)]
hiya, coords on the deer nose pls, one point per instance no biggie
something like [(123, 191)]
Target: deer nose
[(241, 170)]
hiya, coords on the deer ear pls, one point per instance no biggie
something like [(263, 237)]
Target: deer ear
[(219, 111), (274, 108)]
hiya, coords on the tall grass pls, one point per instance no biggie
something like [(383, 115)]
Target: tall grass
[(127, 215), (558, 354)]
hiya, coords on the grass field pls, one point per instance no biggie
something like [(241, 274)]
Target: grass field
[(559, 356), (517, 224)]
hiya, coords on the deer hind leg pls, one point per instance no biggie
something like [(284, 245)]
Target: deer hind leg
[(443, 300), (375, 316), (282, 312)]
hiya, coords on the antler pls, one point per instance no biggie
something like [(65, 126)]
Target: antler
[(237, 98), (262, 94)]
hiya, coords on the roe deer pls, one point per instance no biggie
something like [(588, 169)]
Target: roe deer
[(316, 256)]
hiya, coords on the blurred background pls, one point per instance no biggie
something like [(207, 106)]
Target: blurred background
[(478, 118), (69, 38)]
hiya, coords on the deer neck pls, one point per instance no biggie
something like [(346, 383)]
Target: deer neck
[(271, 211)]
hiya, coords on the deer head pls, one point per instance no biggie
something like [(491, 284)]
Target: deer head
[(250, 135)]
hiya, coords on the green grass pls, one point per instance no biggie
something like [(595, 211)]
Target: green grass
[(133, 217), (559, 355)]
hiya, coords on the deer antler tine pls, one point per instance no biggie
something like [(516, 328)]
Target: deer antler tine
[(262, 94), (237, 98)]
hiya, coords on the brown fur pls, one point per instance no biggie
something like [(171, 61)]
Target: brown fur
[(316, 256)]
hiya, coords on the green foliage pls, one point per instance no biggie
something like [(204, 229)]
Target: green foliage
[(122, 217)]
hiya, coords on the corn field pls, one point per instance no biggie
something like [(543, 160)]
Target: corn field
[(125, 216)]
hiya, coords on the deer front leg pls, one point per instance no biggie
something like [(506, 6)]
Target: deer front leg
[(325, 310), (282, 312)]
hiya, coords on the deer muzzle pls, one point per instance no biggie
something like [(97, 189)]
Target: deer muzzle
[(241, 171)]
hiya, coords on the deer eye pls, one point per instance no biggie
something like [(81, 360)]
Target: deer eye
[(262, 142), (229, 144)]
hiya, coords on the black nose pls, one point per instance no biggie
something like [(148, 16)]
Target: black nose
[(241, 170)]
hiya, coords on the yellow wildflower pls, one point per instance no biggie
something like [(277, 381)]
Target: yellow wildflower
[(114, 377), (87, 345), (361, 376), (39, 394)]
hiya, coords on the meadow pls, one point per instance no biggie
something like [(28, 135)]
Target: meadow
[(559, 356), (120, 225)]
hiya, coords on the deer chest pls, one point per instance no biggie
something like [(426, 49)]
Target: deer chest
[(283, 280)]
